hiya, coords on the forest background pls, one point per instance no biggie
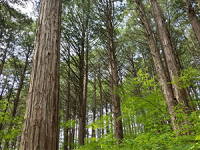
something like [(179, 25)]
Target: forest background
[(129, 73)]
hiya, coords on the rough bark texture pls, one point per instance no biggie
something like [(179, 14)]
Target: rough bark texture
[(83, 91), (40, 130), (179, 94), (193, 18), (81, 127), (162, 77), (118, 130)]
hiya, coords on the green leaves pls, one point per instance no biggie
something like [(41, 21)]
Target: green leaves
[(188, 77)]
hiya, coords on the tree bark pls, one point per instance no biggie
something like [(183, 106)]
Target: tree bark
[(179, 94), (193, 19), (66, 130), (101, 103), (40, 130), (94, 107), (162, 77), (118, 130)]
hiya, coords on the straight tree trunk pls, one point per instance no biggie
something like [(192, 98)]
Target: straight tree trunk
[(193, 19), (83, 89), (118, 130), (101, 102), (81, 127), (94, 107), (107, 122), (41, 126), (72, 143), (66, 130)]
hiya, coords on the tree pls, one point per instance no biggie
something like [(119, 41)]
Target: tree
[(41, 118), (109, 7), (162, 77), (179, 94), (193, 18)]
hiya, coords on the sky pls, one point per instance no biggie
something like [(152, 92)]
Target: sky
[(27, 9)]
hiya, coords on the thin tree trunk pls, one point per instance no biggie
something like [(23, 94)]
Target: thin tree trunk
[(3, 62), (41, 125), (94, 107), (188, 47), (107, 122), (21, 82), (196, 96), (72, 144), (193, 19), (66, 130), (101, 102), (16, 99), (9, 95)]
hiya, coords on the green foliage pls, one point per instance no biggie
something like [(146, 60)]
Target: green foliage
[(14, 124), (143, 105), (188, 77), (107, 142)]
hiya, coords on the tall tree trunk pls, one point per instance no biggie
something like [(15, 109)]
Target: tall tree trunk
[(41, 117), (66, 130), (118, 130), (81, 128), (72, 143), (101, 102), (162, 77), (94, 107), (107, 122), (193, 19), (21, 82), (83, 88), (179, 94)]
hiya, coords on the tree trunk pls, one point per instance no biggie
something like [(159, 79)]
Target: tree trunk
[(118, 130), (94, 107), (41, 130), (66, 130), (81, 128), (101, 102), (179, 94), (83, 89), (107, 122), (21, 82), (72, 143), (193, 19), (162, 77)]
